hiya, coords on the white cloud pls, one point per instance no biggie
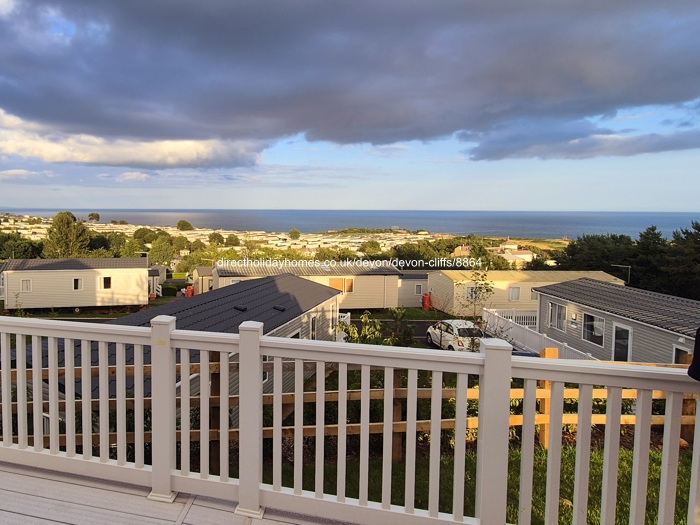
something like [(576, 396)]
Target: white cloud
[(6, 7), (26, 139), (131, 176), (16, 174)]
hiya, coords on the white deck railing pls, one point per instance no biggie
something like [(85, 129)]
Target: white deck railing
[(115, 431), (525, 338), (521, 317)]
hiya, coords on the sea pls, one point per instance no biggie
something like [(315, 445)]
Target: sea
[(515, 224)]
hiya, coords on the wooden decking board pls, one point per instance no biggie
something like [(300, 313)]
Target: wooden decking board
[(199, 515), (73, 479), (69, 513), (30, 496), (67, 492), (10, 518)]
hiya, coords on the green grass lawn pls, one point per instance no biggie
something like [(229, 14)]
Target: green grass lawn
[(539, 484), (412, 314)]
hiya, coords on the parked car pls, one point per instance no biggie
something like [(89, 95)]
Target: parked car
[(454, 334)]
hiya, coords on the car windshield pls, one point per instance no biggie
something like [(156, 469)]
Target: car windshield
[(470, 332)]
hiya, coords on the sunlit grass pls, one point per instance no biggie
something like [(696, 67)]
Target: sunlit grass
[(539, 484)]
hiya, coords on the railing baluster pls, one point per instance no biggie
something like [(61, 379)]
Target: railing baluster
[(224, 421), (342, 429), (527, 451), (411, 415), (583, 455), (611, 456), (69, 360), (435, 441), (387, 436), (185, 411), (669, 459), (694, 495), (460, 447), (121, 403), (103, 352), (554, 454), (139, 418), (21, 363), (640, 466), (53, 395), (204, 414), (6, 379), (277, 425), (37, 394), (364, 435), (298, 425), (320, 425), (86, 397)]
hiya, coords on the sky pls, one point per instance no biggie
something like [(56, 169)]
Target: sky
[(400, 104)]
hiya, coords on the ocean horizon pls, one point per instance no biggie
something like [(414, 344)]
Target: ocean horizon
[(516, 224)]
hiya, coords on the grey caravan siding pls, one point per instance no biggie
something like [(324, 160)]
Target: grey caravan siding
[(326, 316), (648, 344), (659, 324)]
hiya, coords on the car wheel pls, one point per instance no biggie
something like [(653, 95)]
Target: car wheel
[(429, 339), (451, 348)]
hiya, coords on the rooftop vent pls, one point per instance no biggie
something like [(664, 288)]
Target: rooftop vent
[(241, 308), (280, 308)]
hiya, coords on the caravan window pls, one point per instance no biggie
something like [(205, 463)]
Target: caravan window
[(593, 329)]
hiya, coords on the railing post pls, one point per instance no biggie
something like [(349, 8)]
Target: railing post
[(494, 421), (163, 409), (546, 402), (250, 420)]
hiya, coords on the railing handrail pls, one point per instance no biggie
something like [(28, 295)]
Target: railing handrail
[(495, 368)]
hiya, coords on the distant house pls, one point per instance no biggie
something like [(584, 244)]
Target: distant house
[(202, 279), (618, 323), (74, 283), (512, 289), (412, 285), (360, 285)]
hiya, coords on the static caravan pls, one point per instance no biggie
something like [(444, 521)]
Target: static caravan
[(618, 323), (74, 283)]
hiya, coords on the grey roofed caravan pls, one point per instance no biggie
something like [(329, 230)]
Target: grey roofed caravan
[(618, 323), (279, 302), (214, 311), (675, 314)]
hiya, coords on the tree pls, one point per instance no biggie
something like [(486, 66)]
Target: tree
[(13, 246), (94, 216), (181, 243), (233, 240), (133, 248), (649, 265), (161, 251), (470, 298), (216, 238), (371, 247), (67, 237), (184, 225), (598, 252), (117, 241), (294, 234), (683, 271), (145, 234), (369, 333)]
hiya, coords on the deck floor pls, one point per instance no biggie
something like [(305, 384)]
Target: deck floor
[(37, 497)]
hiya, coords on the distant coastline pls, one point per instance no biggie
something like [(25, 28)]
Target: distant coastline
[(516, 224)]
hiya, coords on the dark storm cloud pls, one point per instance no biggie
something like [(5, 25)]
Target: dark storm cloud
[(351, 72)]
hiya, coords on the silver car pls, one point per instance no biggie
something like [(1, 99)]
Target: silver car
[(454, 334)]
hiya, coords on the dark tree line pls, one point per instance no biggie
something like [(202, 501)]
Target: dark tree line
[(652, 262)]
